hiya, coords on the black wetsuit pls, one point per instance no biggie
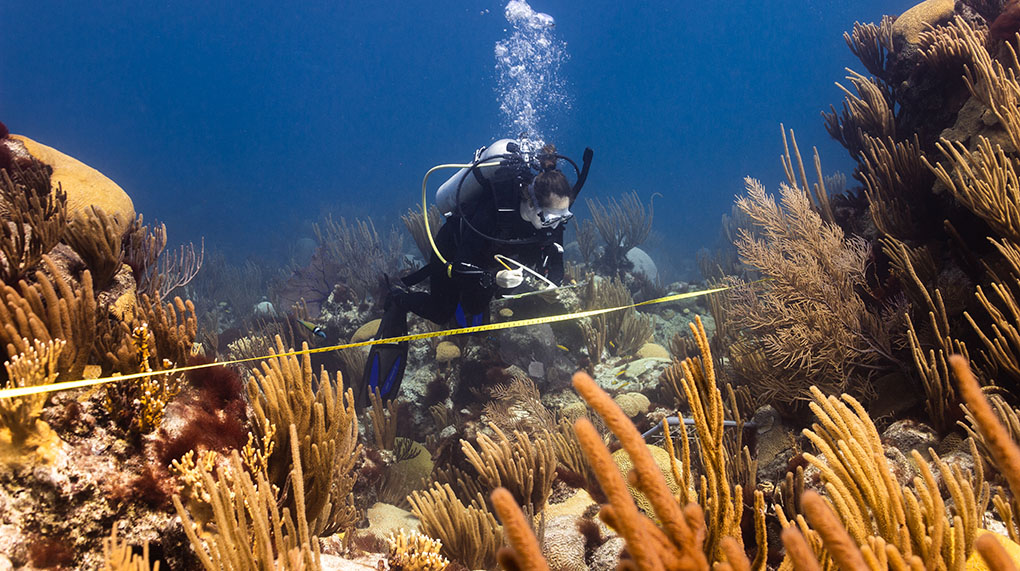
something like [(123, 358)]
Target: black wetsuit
[(464, 293), (539, 249)]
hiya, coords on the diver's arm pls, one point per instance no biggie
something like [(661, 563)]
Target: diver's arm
[(551, 260), (466, 262)]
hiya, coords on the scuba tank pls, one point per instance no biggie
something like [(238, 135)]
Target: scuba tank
[(470, 185)]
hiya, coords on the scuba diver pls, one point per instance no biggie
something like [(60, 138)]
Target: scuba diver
[(505, 214)]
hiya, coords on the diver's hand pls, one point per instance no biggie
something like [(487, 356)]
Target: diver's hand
[(509, 279)]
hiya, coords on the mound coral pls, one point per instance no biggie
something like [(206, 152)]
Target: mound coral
[(911, 23), (85, 186)]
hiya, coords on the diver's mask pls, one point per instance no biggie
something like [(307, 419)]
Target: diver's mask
[(544, 218), (550, 218)]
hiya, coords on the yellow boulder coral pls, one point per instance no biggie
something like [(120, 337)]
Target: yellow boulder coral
[(977, 563), (911, 23), (446, 352), (652, 350), (85, 186)]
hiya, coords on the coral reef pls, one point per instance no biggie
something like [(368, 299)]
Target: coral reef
[(857, 303)]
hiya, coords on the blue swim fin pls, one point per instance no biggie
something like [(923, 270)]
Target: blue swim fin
[(465, 319), (385, 369), (386, 362)]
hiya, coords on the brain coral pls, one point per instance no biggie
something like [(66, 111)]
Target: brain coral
[(662, 461), (85, 186), (564, 545), (633, 404), (911, 23), (574, 410)]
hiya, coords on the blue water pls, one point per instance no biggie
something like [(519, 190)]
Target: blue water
[(242, 123)]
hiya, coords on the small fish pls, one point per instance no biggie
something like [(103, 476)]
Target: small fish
[(620, 372), (613, 345), (563, 348), (315, 329)]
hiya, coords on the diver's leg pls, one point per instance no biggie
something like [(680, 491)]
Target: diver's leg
[(437, 305), (473, 308), (386, 361)]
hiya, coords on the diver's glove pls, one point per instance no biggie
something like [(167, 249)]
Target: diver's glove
[(509, 279)]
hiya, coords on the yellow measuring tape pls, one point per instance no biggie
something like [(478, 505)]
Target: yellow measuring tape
[(25, 391)]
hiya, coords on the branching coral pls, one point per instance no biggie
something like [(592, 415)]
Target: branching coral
[(157, 338), (895, 181), (151, 341), (384, 421), (995, 436), (96, 237), (50, 309), (283, 392), (985, 181), (601, 293), (1008, 416), (586, 234), (570, 455), (706, 405), (177, 269), (622, 224), (32, 222), (120, 556), (413, 551), (635, 330), (594, 339), (251, 531), (20, 427), (872, 44), (1002, 338), (357, 255), (679, 543), (518, 405), (152, 392), (414, 221), (912, 524), (868, 113), (524, 465), (809, 318), (470, 534), (990, 81), (932, 366), (526, 553), (142, 248)]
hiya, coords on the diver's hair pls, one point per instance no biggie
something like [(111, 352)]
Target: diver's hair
[(547, 157), (551, 180)]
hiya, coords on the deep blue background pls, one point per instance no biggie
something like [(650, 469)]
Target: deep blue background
[(241, 122)]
